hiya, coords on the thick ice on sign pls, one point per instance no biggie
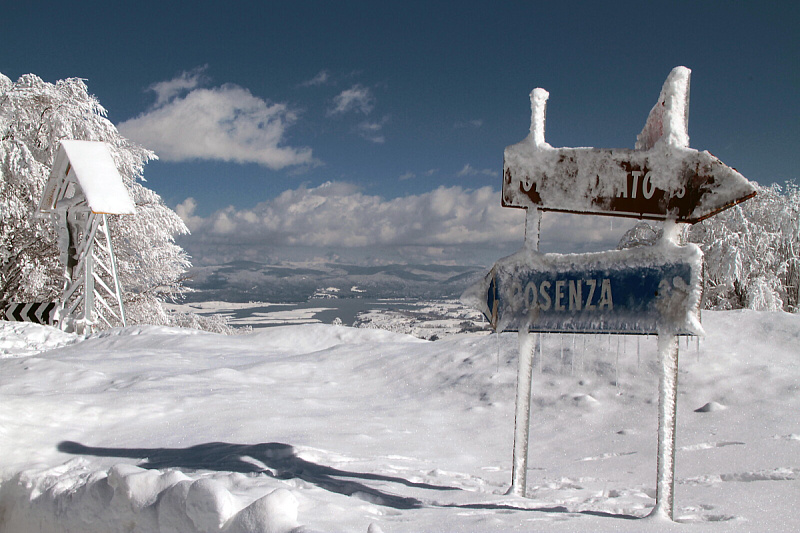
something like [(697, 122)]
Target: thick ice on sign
[(662, 178), (643, 290), (668, 121)]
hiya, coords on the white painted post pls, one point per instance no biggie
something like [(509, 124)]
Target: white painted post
[(88, 291), (522, 414), (667, 420), (112, 260)]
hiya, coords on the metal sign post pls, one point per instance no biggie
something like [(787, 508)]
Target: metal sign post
[(667, 425), (655, 289), (522, 405), (522, 414)]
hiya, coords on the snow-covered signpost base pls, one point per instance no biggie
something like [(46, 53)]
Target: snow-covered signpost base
[(83, 188), (645, 290)]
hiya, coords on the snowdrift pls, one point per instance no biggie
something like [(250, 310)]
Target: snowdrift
[(329, 428)]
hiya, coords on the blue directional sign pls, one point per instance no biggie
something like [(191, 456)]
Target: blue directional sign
[(610, 292)]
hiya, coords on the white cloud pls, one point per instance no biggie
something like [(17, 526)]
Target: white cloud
[(360, 100), (449, 223), (357, 98), (339, 214), (225, 123), (223, 224), (320, 79), (186, 81), (406, 176), (469, 170), (185, 210), (371, 130)]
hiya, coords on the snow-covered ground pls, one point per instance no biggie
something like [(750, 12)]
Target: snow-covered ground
[(429, 320), (327, 428), (281, 315)]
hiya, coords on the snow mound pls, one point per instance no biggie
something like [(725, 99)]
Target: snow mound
[(132, 331), (125, 498), (317, 337), (585, 401), (710, 407), (24, 338), (275, 512)]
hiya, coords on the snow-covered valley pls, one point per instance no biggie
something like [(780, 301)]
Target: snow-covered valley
[(316, 427)]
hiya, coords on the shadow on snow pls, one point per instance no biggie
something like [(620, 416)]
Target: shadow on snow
[(280, 461), (274, 459)]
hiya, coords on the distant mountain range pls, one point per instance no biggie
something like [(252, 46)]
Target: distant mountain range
[(244, 281)]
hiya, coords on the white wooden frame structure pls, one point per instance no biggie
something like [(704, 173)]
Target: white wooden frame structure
[(85, 187)]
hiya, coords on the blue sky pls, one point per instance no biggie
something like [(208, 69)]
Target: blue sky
[(253, 104)]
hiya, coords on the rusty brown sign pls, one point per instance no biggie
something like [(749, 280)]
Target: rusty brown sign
[(690, 187), (662, 178)]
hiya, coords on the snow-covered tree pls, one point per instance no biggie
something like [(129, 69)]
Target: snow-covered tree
[(752, 251), (34, 117)]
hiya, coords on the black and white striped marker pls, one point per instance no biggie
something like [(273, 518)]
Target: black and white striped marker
[(38, 312)]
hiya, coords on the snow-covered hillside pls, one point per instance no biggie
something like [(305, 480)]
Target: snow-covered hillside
[(329, 428), (244, 281)]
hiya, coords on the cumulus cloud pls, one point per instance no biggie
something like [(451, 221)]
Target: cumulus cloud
[(185, 210), (186, 81), (448, 223), (339, 214), (226, 123), (357, 99)]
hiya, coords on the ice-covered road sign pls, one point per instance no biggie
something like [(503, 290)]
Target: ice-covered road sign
[(627, 183), (635, 291), (652, 289), (662, 178)]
